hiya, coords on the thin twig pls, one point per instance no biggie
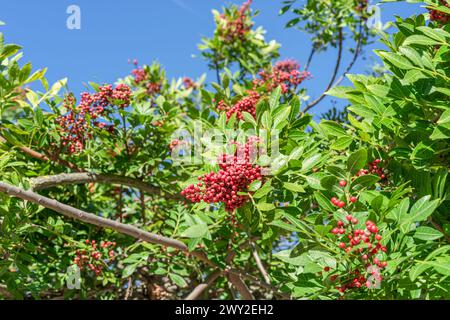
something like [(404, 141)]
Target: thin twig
[(259, 264), (335, 72), (311, 55)]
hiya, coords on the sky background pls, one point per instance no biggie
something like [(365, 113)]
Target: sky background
[(164, 30)]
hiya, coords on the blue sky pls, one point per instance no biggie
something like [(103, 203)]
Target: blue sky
[(164, 30)]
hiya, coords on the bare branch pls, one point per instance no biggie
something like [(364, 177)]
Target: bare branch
[(311, 55), (256, 281), (45, 182), (240, 285), (333, 77), (198, 290), (259, 263), (90, 218)]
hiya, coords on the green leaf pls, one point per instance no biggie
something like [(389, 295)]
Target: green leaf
[(294, 187), (427, 234), (422, 209), (421, 40), (264, 190), (195, 231), (323, 201), (332, 128), (265, 206), (255, 185), (365, 181), (396, 60), (178, 280), (356, 161), (309, 163), (342, 143), (274, 99)]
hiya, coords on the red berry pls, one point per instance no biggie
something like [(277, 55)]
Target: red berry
[(335, 231), (378, 237), (376, 261), (341, 204), (353, 199), (354, 221), (326, 269), (340, 223), (342, 245), (342, 183)]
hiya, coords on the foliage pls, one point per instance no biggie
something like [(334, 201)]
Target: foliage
[(354, 206)]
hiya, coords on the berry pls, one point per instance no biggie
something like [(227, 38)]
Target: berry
[(378, 237), (342, 183), (353, 199), (342, 245), (341, 204), (326, 269), (284, 74), (349, 217), (235, 175), (354, 221)]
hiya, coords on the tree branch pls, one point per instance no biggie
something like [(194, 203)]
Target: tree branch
[(255, 280), (43, 157), (240, 285), (198, 290), (90, 218), (45, 182), (259, 264), (333, 77)]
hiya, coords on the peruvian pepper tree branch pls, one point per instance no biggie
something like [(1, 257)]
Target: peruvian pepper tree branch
[(45, 182), (90, 218), (198, 290), (240, 286), (334, 75)]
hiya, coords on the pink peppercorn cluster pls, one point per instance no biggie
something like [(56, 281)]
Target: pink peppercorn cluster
[(363, 246), (75, 125), (141, 77), (362, 5), (91, 257), (375, 168), (236, 27), (235, 175), (285, 73), (440, 16), (246, 104), (188, 83), (175, 143)]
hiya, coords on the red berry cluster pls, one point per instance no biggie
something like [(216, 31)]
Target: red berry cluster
[(246, 104), (90, 258), (375, 168), (189, 83), (174, 143), (75, 126), (361, 5), (363, 245), (285, 73), (235, 175), (142, 78), (440, 16), (236, 27)]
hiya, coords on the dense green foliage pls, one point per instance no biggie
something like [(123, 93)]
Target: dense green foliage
[(396, 127)]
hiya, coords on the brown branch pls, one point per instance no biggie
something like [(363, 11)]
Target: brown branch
[(43, 157), (90, 218), (142, 199), (45, 182), (256, 281), (440, 229), (198, 290), (259, 264), (311, 55), (240, 285), (5, 293), (333, 77)]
